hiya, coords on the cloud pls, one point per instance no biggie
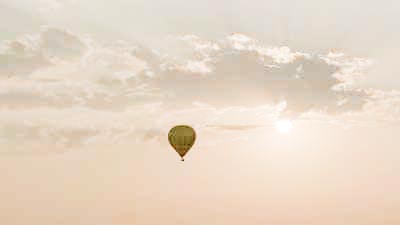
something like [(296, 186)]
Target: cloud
[(33, 52), (60, 69), (17, 59), (239, 70), (236, 70), (63, 90), (235, 127), (61, 44)]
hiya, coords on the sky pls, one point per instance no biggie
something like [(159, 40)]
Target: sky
[(296, 107)]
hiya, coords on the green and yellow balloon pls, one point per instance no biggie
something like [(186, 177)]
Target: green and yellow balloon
[(182, 138)]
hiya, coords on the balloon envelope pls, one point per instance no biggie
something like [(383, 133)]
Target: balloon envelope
[(182, 138)]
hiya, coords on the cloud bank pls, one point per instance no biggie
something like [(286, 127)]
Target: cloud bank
[(64, 90)]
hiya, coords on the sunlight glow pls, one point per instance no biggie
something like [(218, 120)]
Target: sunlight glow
[(283, 126)]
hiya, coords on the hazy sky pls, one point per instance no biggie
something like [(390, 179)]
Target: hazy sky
[(296, 105)]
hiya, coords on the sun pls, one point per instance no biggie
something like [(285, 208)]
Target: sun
[(283, 126)]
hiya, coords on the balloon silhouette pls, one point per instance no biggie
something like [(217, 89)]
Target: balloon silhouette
[(182, 138)]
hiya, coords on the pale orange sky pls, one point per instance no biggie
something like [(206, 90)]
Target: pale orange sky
[(302, 178), (89, 90)]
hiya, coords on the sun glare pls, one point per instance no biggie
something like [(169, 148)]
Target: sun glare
[(283, 126)]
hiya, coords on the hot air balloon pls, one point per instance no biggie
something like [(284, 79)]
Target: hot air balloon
[(182, 138)]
